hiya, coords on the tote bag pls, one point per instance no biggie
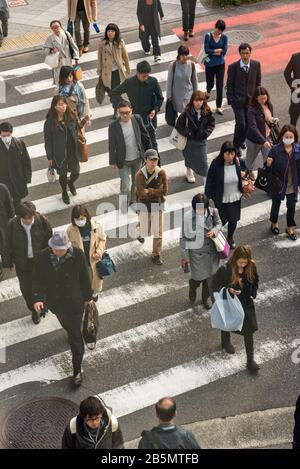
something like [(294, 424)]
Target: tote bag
[(221, 245), (227, 313), (52, 60), (178, 140)]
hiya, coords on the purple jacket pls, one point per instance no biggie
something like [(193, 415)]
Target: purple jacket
[(256, 130), (281, 164)]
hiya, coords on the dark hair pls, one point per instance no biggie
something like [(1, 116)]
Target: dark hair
[(221, 25), (115, 28), (143, 67), (91, 406), (260, 90), (80, 210), (26, 210), (244, 46), (182, 50), (198, 95), (124, 103), (6, 127), (165, 414), (55, 21), (65, 71), (52, 113), (242, 252), (288, 128), (200, 199), (227, 146)]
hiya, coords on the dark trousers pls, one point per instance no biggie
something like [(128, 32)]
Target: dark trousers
[(145, 39), (151, 125), (291, 207), (240, 130), (188, 14), (248, 340), (74, 168), (4, 22), (71, 321), (211, 73), (25, 281), (81, 17), (231, 227), (115, 81), (206, 288), (294, 111)]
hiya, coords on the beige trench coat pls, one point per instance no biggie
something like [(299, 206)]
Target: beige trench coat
[(97, 236), (90, 9), (105, 61)]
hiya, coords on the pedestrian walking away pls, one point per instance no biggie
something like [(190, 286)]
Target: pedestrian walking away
[(182, 80), (167, 435), (61, 283), (7, 211), (215, 46), (89, 236), (128, 140), (145, 95), (224, 187), (148, 13), (61, 144), (15, 164), (196, 123), (151, 189), (292, 77), (4, 16), (62, 43), (96, 427), (188, 18), (26, 236), (198, 252), (85, 12), (240, 276), (113, 62), (283, 163), (244, 76), (75, 94)]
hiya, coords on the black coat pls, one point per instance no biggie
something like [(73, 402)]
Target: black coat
[(144, 96), (187, 127), (241, 85), (68, 286), (214, 187), (7, 212), (280, 164), (19, 168), (292, 70), (256, 128), (16, 244), (59, 144), (116, 142), (142, 14), (296, 442), (222, 278)]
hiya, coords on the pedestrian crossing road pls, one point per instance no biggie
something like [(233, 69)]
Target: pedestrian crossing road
[(151, 342)]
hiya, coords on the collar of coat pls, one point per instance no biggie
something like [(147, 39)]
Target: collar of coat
[(146, 174)]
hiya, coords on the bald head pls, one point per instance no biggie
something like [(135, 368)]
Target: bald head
[(166, 409)]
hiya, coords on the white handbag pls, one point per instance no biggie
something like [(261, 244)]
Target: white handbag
[(178, 140), (52, 60), (51, 175)]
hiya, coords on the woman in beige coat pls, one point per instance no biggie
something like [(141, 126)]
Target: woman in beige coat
[(113, 62), (89, 236)]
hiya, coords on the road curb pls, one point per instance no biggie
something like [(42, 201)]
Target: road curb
[(259, 429)]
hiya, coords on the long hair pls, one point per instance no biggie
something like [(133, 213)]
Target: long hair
[(259, 91), (197, 96), (52, 113), (115, 28), (242, 252)]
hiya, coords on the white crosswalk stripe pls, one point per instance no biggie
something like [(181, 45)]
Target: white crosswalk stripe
[(138, 287)]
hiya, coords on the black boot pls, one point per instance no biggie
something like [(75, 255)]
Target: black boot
[(252, 366), (192, 291), (73, 178), (65, 195), (226, 344)]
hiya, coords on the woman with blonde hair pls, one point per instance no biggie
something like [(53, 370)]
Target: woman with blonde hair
[(240, 276)]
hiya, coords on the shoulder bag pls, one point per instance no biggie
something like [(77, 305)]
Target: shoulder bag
[(221, 245), (178, 140), (72, 52), (202, 57), (52, 60)]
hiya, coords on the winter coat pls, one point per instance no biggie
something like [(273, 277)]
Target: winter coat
[(64, 57), (256, 129), (7, 212), (142, 14), (66, 288), (187, 126), (214, 187), (222, 279), (111, 438), (155, 194), (98, 239), (116, 141), (196, 247), (280, 166), (106, 57), (4, 7), (90, 7), (19, 168), (16, 241), (57, 146), (171, 437)]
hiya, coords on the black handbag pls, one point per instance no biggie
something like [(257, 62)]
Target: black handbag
[(105, 266), (274, 133), (170, 113), (267, 182)]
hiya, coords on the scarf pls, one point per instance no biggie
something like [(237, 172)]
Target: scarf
[(75, 89), (57, 262)]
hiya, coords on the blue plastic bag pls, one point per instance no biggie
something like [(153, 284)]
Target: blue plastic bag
[(106, 266), (227, 313)]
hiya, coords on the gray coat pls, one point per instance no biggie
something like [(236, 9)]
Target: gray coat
[(201, 253), (4, 7), (181, 84)]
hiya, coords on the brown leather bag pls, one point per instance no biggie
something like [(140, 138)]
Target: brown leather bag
[(81, 140)]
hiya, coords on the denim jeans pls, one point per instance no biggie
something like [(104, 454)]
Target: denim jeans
[(130, 167), (291, 206)]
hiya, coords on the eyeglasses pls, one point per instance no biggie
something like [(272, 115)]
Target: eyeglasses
[(95, 419), (124, 113)]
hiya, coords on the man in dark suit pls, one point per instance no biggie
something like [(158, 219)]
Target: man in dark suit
[(292, 77), (244, 76), (128, 139)]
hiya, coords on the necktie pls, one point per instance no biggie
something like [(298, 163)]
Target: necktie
[(245, 67)]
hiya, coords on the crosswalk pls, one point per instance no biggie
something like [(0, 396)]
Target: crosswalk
[(150, 340)]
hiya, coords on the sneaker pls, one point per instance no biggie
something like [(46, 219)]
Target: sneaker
[(66, 198), (36, 318), (147, 53), (157, 58), (190, 176), (157, 260), (191, 34), (85, 49), (219, 111)]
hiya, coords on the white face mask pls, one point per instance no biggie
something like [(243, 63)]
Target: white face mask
[(288, 141), (7, 140), (80, 222)]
